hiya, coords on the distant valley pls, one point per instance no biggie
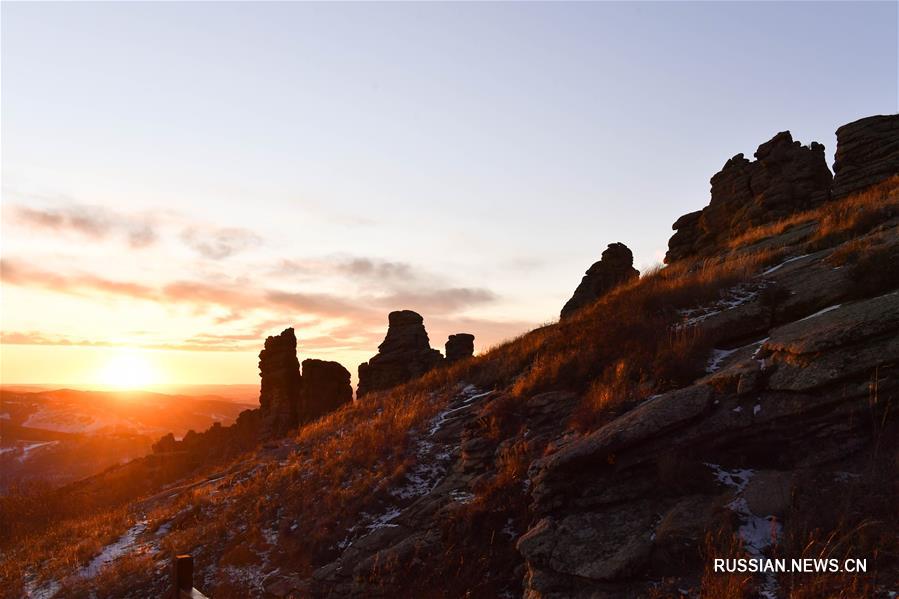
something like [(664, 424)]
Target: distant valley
[(54, 436)]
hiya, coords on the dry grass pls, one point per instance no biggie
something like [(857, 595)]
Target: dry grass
[(836, 221), (722, 585)]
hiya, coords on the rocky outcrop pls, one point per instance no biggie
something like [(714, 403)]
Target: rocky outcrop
[(288, 398), (326, 387), (616, 266), (631, 503), (867, 153), (404, 354), (459, 347), (785, 178), (281, 383)]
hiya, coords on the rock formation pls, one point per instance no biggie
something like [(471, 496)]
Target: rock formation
[(867, 153), (459, 347), (785, 178), (281, 385), (288, 398), (614, 267), (404, 354), (326, 387)]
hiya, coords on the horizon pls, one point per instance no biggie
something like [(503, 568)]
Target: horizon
[(220, 172)]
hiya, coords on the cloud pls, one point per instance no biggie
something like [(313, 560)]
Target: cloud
[(378, 269), (95, 222), (322, 304), (437, 301), (38, 338), (241, 296), (354, 268), (16, 273), (217, 244)]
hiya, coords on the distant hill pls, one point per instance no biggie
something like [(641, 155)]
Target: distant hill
[(55, 436)]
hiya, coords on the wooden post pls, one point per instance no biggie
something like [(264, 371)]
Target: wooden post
[(183, 573)]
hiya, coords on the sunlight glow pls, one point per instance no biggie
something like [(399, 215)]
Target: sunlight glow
[(128, 371)]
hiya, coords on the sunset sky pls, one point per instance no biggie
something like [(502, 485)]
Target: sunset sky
[(180, 180)]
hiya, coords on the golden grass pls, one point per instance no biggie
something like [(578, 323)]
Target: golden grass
[(837, 220)]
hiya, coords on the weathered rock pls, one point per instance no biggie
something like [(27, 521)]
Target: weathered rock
[(867, 153), (404, 354), (599, 547), (616, 266), (326, 387), (785, 178), (459, 347), (279, 394), (836, 343)]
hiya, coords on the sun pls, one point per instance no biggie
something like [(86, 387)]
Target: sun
[(128, 371)]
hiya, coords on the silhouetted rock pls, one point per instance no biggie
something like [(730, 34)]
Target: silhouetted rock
[(614, 267), (785, 178), (459, 347), (166, 444), (404, 354), (867, 153), (326, 387), (279, 394)]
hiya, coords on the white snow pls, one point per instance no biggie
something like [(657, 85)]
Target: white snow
[(787, 261), (820, 312), (758, 533), (462, 496), (29, 447), (114, 550), (271, 535), (760, 343), (845, 477), (733, 297), (252, 576), (738, 479), (718, 356), (509, 529), (432, 461), (45, 591), (756, 409)]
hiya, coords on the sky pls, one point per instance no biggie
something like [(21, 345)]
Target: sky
[(180, 180)]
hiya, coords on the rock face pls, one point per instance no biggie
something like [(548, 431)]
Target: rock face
[(404, 354), (785, 178), (629, 504), (459, 347), (867, 153), (616, 266), (288, 398), (326, 387), (281, 385)]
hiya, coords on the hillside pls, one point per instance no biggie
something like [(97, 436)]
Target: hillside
[(739, 401)]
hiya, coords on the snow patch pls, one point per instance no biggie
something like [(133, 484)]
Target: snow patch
[(787, 261), (758, 533), (29, 447), (737, 479), (718, 356), (114, 550), (733, 297), (820, 312), (462, 496)]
